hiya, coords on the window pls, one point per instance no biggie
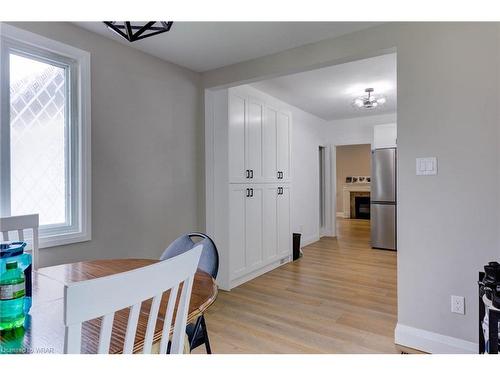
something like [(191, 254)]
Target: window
[(44, 135)]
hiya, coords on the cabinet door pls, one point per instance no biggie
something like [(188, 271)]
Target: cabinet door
[(237, 202), (254, 235), (253, 134), (237, 116), (270, 223), (283, 144), (284, 233), (269, 144)]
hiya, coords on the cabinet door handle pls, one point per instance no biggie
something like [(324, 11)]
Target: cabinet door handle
[(278, 175), (251, 173), (248, 192), (251, 192), (247, 173)]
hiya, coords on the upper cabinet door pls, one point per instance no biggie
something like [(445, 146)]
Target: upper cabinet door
[(253, 134), (283, 145), (269, 144), (237, 120)]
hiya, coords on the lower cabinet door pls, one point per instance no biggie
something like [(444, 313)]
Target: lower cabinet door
[(259, 226), (283, 213), (270, 223), (237, 229), (253, 219)]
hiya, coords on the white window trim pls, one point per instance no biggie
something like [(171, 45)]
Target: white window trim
[(47, 237)]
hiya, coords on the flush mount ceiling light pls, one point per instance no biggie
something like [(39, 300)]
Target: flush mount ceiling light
[(133, 31), (369, 101)]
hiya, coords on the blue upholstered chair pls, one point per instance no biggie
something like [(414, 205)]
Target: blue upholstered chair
[(209, 262)]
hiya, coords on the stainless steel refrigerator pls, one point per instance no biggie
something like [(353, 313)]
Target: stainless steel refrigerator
[(383, 199)]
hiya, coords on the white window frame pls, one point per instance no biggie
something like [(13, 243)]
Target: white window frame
[(78, 63)]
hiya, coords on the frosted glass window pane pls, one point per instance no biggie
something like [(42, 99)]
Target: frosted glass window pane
[(38, 139)]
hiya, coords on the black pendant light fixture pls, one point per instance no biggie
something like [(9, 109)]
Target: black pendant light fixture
[(133, 31)]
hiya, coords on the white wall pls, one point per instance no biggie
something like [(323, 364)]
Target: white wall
[(147, 153), (447, 229), (357, 130), (307, 136)]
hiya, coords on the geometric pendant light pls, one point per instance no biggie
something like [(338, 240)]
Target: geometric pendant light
[(133, 31)]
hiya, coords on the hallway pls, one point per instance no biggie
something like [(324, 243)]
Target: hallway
[(339, 298)]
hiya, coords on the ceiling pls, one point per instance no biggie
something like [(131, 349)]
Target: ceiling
[(328, 92), (202, 46)]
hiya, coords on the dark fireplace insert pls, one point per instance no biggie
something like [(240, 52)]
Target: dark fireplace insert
[(362, 207)]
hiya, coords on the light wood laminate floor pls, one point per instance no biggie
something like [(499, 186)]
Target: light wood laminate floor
[(339, 298)]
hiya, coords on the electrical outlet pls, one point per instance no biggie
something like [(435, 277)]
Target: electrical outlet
[(458, 305)]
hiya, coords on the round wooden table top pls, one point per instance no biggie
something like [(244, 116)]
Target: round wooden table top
[(43, 331)]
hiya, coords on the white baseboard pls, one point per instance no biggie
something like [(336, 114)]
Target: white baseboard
[(309, 240), (431, 342), (340, 214), (256, 273)]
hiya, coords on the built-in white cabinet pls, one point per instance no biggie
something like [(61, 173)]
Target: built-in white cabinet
[(259, 227), (259, 141), (248, 184)]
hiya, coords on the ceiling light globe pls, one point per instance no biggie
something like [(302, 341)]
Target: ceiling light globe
[(358, 102)]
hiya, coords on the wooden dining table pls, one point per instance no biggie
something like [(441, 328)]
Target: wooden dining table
[(43, 331)]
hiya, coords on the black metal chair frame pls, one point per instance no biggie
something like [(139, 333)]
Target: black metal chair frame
[(200, 327)]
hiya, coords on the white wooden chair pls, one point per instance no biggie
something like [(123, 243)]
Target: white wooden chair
[(19, 224), (102, 297)]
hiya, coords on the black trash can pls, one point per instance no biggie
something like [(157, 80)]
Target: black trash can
[(296, 246)]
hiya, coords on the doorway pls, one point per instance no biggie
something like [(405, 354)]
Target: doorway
[(353, 181)]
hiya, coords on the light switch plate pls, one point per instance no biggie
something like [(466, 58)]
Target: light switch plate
[(427, 166)]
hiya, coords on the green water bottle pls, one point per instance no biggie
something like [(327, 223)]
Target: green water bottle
[(12, 292)]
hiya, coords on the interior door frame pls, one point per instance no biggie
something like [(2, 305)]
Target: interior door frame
[(327, 228)]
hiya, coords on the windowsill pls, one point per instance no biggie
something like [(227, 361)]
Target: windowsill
[(63, 239), (46, 241)]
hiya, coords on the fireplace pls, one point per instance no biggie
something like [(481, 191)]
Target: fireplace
[(360, 205)]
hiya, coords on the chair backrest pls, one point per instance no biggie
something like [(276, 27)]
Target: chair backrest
[(209, 260), (19, 224), (102, 297)]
